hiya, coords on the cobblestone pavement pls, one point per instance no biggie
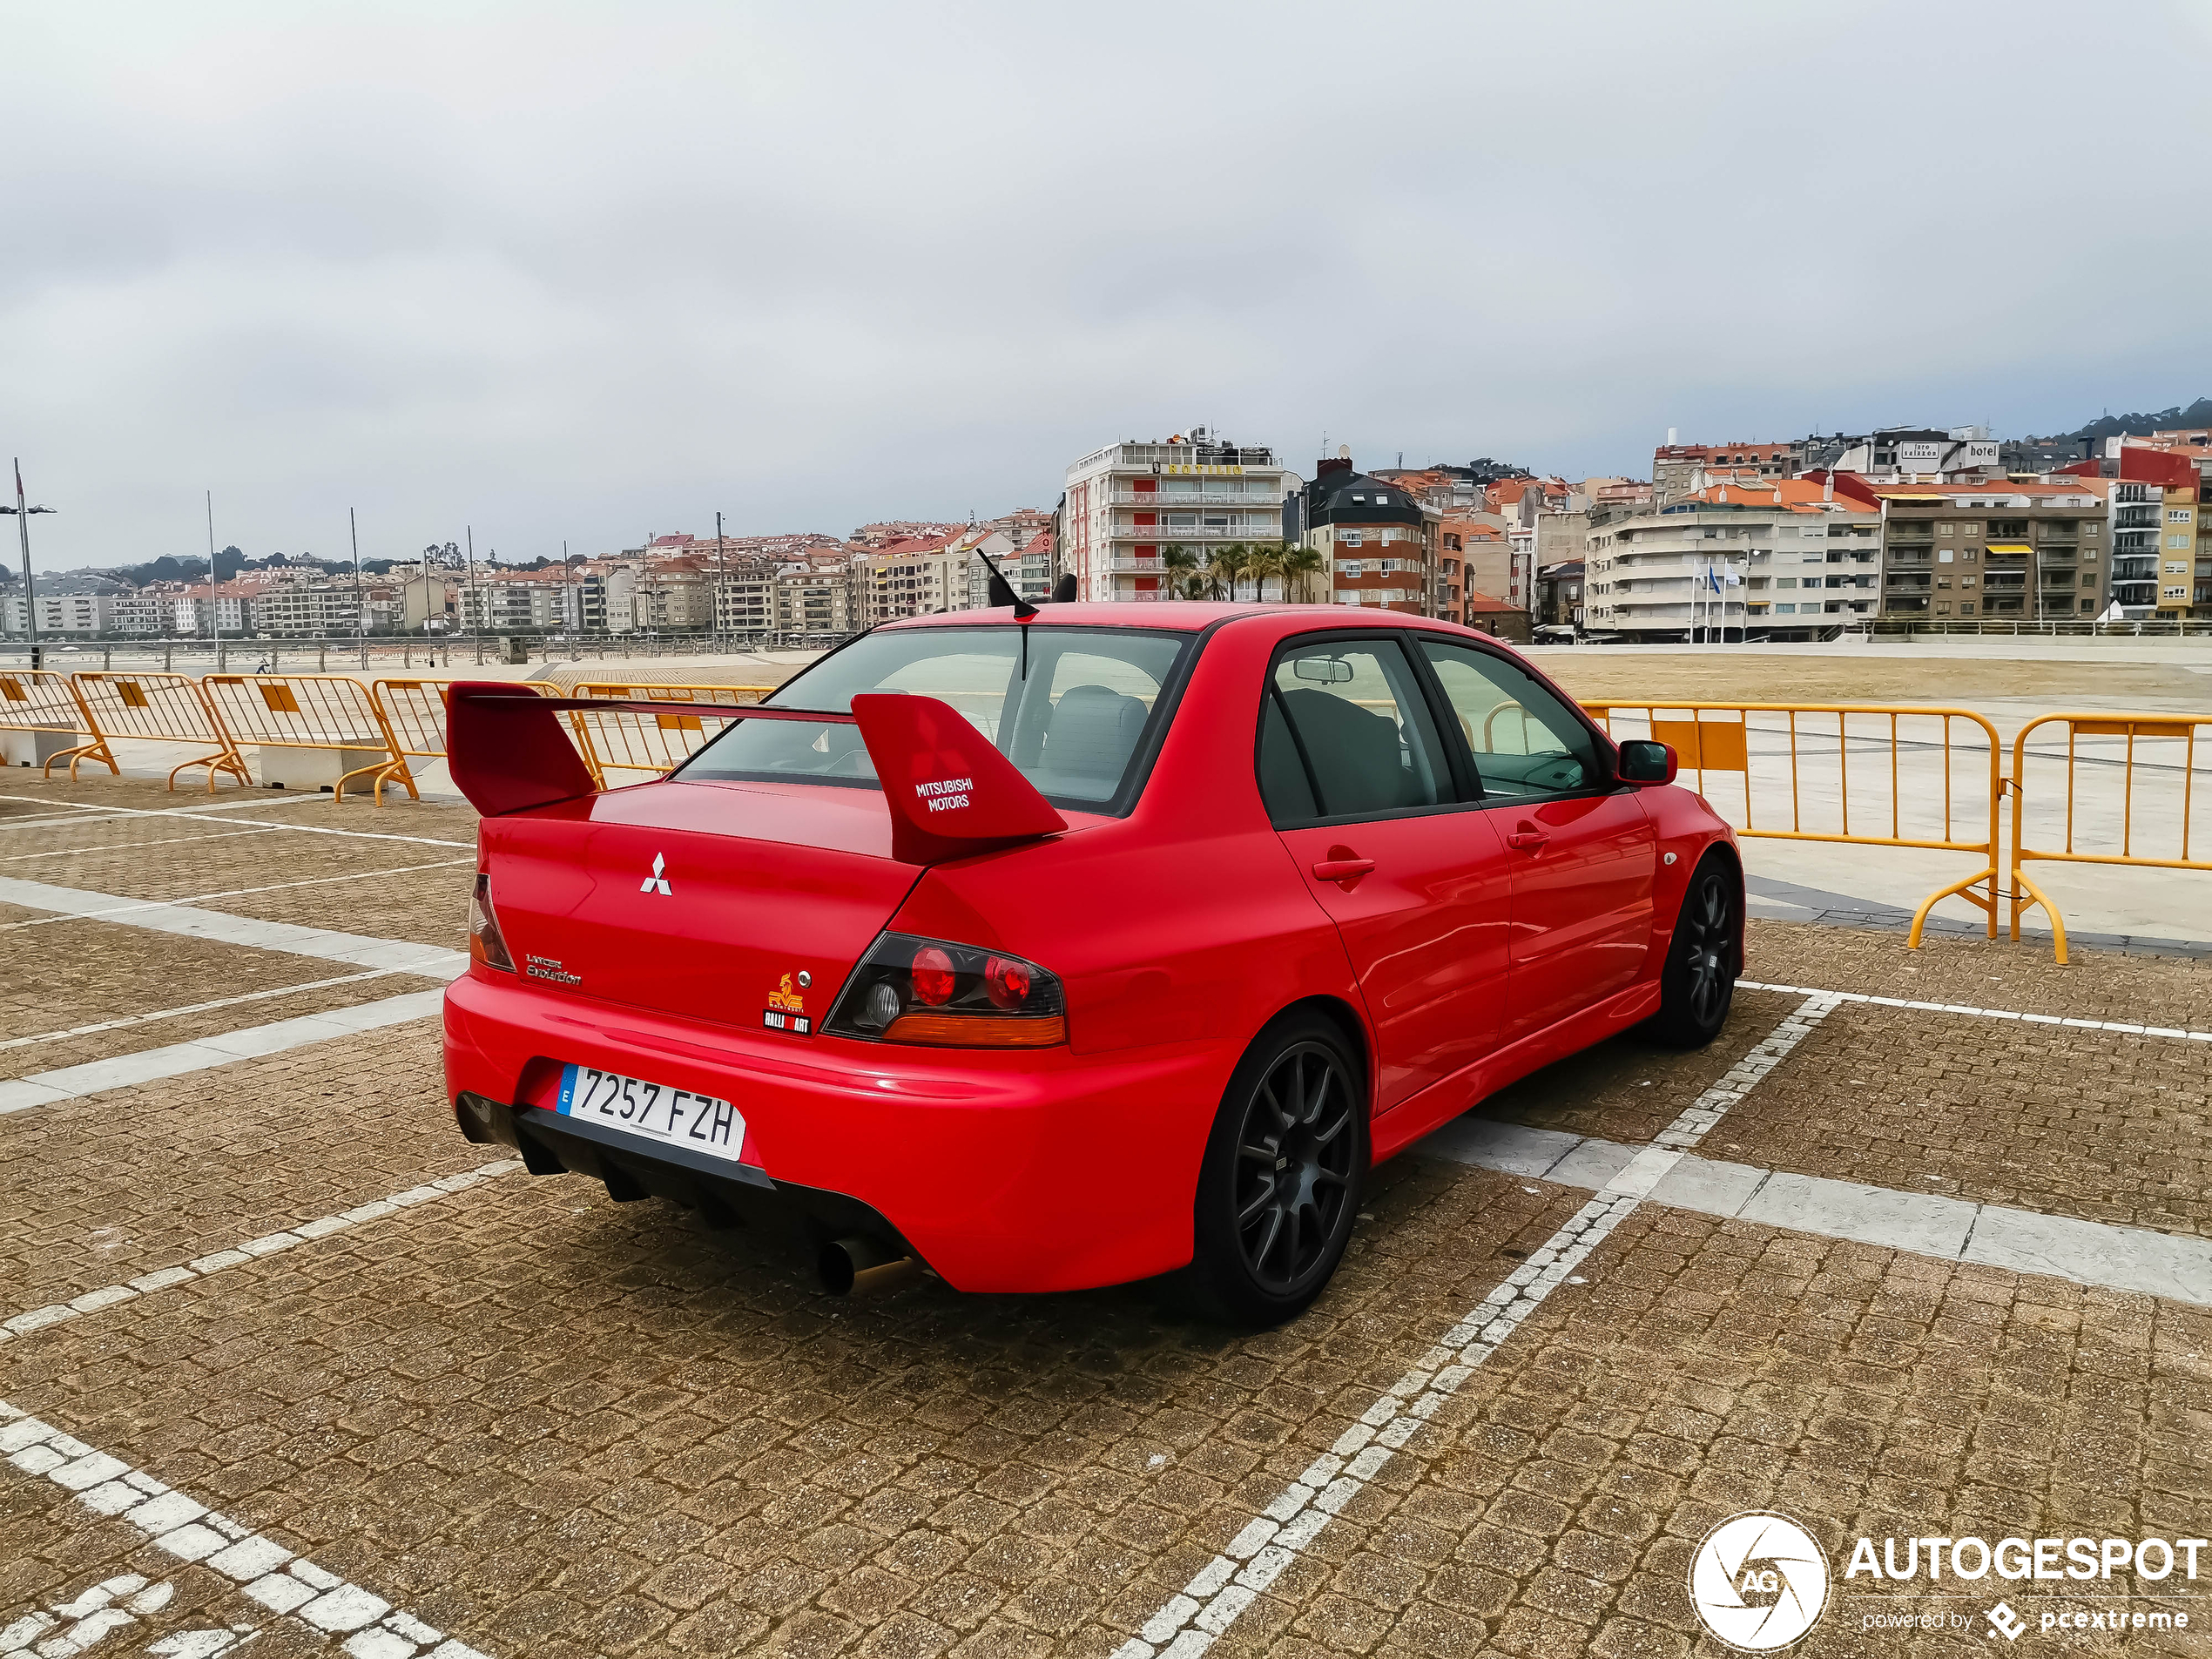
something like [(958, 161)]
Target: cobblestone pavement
[(374, 1396)]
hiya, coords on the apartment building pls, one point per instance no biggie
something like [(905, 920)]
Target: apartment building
[(1905, 454), (1379, 544), (1677, 469), (1486, 562), (141, 611), (1785, 557), (813, 606), (2008, 550), (59, 614), (1559, 594), (299, 605), (525, 601), (674, 596), (910, 579), (198, 611), (2179, 463), (1127, 502)]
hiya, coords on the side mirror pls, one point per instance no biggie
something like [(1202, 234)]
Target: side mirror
[(1646, 763)]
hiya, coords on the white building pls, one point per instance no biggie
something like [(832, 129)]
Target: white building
[(194, 614), (1776, 557), (1961, 453), (60, 614), (1129, 501)]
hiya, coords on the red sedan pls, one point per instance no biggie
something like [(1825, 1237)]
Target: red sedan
[(1066, 951)]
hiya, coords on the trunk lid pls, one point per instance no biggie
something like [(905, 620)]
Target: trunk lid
[(709, 900)]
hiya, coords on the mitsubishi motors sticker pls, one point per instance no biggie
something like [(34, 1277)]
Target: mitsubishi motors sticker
[(1760, 1581), (946, 794)]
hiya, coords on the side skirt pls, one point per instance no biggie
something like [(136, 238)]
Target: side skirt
[(1444, 1100)]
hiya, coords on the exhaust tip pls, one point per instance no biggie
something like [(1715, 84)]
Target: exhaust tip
[(863, 1264)]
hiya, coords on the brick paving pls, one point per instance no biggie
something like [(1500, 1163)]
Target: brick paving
[(112, 1185), (2101, 1125), (556, 1426), (73, 972)]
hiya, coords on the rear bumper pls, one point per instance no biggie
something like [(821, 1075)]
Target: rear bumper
[(552, 1144), (1040, 1171)]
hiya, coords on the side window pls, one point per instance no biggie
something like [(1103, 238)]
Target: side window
[(1358, 728), (1527, 745)]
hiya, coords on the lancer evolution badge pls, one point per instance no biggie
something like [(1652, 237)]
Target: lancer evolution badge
[(657, 882)]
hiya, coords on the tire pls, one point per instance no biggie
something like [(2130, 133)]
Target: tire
[(1697, 984), (1284, 1171)]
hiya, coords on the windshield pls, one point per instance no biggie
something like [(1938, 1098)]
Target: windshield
[(1074, 722)]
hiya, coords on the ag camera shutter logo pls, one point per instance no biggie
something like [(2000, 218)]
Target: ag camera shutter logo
[(1759, 1581)]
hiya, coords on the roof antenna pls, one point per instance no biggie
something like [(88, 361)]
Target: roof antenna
[(1001, 593)]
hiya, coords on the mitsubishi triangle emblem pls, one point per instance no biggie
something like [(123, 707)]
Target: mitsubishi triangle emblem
[(657, 882)]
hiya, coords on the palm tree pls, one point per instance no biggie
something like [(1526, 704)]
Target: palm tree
[(1228, 565), (1300, 563), (1179, 563), (1262, 565)]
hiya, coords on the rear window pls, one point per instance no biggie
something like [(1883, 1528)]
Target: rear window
[(1075, 717)]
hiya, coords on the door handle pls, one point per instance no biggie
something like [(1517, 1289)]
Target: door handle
[(1529, 838), (1342, 869)]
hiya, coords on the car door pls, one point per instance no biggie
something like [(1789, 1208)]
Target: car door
[(1366, 799), (1584, 851)]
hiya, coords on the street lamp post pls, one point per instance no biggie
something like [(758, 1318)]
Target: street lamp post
[(23, 511)]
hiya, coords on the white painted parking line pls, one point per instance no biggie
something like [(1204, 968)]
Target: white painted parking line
[(149, 1065), (78, 813), (290, 1588), (131, 846), (198, 1008), (1984, 1014), (250, 1250), (2096, 1253), (179, 916), (200, 811), (1194, 1620)]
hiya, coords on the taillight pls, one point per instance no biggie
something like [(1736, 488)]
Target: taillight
[(485, 945), (928, 991)]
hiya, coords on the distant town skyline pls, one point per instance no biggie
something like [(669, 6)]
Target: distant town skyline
[(586, 273)]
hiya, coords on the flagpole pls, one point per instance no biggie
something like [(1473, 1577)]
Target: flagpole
[(214, 593)]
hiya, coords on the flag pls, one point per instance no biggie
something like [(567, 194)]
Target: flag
[(1712, 579)]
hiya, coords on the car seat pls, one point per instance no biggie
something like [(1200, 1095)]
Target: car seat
[(1093, 732), (1355, 754)]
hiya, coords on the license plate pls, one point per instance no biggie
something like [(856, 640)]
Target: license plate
[(676, 1117)]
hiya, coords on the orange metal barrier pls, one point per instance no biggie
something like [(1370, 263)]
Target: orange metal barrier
[(154, 708), (2158, 800), (39, 700), (653, 744), (309, 711), (1787, 772), (415, 712)]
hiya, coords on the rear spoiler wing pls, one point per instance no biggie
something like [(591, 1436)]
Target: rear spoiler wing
[(951, 793)]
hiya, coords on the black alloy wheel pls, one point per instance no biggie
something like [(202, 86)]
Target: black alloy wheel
[(1283, 1169), (1698, 983)]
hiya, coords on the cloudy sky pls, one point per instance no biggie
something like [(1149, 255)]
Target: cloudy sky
[(586, 271)]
